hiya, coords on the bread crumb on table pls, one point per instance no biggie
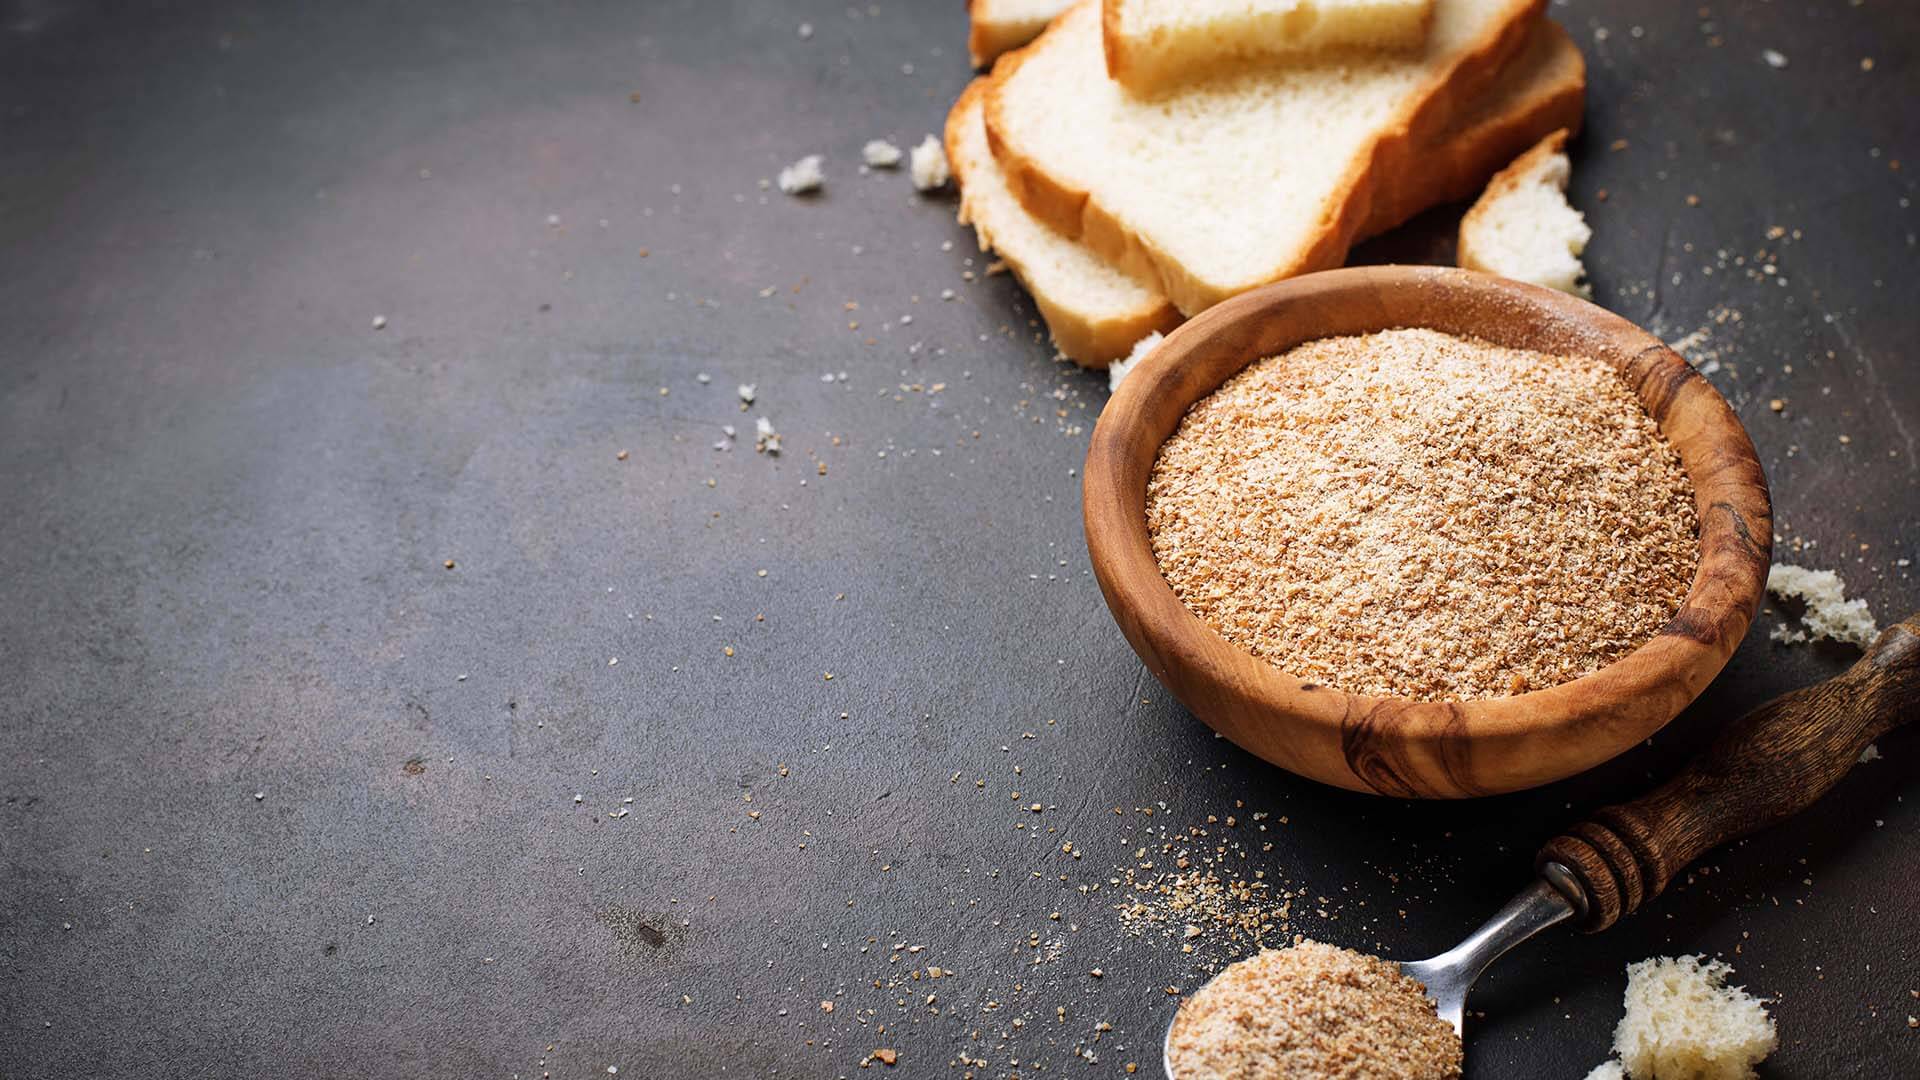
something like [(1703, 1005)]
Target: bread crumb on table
[(1829, 613), (802, 176), (880, 154), (929, 165), (1414, 514), (1120, 369)]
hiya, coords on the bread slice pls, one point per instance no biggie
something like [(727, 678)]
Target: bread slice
[(1097, 314), (1094, 311), (1523, 228), (1247, 177), (1155, 45), (997, 26)]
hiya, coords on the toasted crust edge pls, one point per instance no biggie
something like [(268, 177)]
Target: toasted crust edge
[(1427, 112), (1506, 180), (1113, 44)]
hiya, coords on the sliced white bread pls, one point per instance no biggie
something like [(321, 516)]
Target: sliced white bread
[(1155, 45), (1523, 228), (997, 26), (1097, 314), (1247, 177), (1094, 311)]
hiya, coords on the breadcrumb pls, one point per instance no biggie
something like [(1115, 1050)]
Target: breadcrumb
[(802, 176), (1313, 1010), (929, 165), (1415, 514), (1829, 613)]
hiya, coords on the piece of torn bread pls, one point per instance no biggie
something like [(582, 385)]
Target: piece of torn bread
[(1094, 311), (1097, 314), (1523, 227), (997, 26), (1242, 179), (1155, 45)]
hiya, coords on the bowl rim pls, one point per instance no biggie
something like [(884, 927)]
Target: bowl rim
[(1400, 746)]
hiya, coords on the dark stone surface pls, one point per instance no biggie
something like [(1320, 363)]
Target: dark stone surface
[(227, 502)]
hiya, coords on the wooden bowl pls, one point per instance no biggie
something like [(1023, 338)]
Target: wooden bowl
[(1398, 746)]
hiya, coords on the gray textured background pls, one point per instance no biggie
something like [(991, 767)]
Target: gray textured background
[(225, 501)]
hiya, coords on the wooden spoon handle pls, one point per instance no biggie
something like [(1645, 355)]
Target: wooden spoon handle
[(1766, 766)]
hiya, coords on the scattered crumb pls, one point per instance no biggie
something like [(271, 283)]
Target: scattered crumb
[(765, 439), (929, 165), (1829, 613), (802, 176), (880, 154), (1120, 369), (1774, 58), (379, 322)]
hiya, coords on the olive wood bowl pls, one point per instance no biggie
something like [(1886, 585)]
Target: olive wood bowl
[(1397, 746)]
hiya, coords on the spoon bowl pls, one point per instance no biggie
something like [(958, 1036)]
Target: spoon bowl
[(1555, 897)]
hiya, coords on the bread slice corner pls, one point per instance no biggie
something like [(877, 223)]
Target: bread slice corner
[(999, 26), (1523, 227), (1094, 311), (1154, 45)]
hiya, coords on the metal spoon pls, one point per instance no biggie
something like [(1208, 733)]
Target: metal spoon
[(1765, 767)]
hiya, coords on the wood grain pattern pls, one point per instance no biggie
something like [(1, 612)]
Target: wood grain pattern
[(1395, 746), (1763, 768)]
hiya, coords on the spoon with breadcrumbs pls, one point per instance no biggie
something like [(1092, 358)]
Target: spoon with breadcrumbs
[(1767, 766)]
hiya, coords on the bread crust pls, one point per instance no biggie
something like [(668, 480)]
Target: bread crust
[(1427, 113), (1468, 251), (1113, 45), (1088, 341), (1553, 96), (1129, 62)]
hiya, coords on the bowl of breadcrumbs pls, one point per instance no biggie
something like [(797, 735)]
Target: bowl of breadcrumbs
[(1425, 532)]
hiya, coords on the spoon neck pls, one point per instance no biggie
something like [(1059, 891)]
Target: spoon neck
[(1537, 907)]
